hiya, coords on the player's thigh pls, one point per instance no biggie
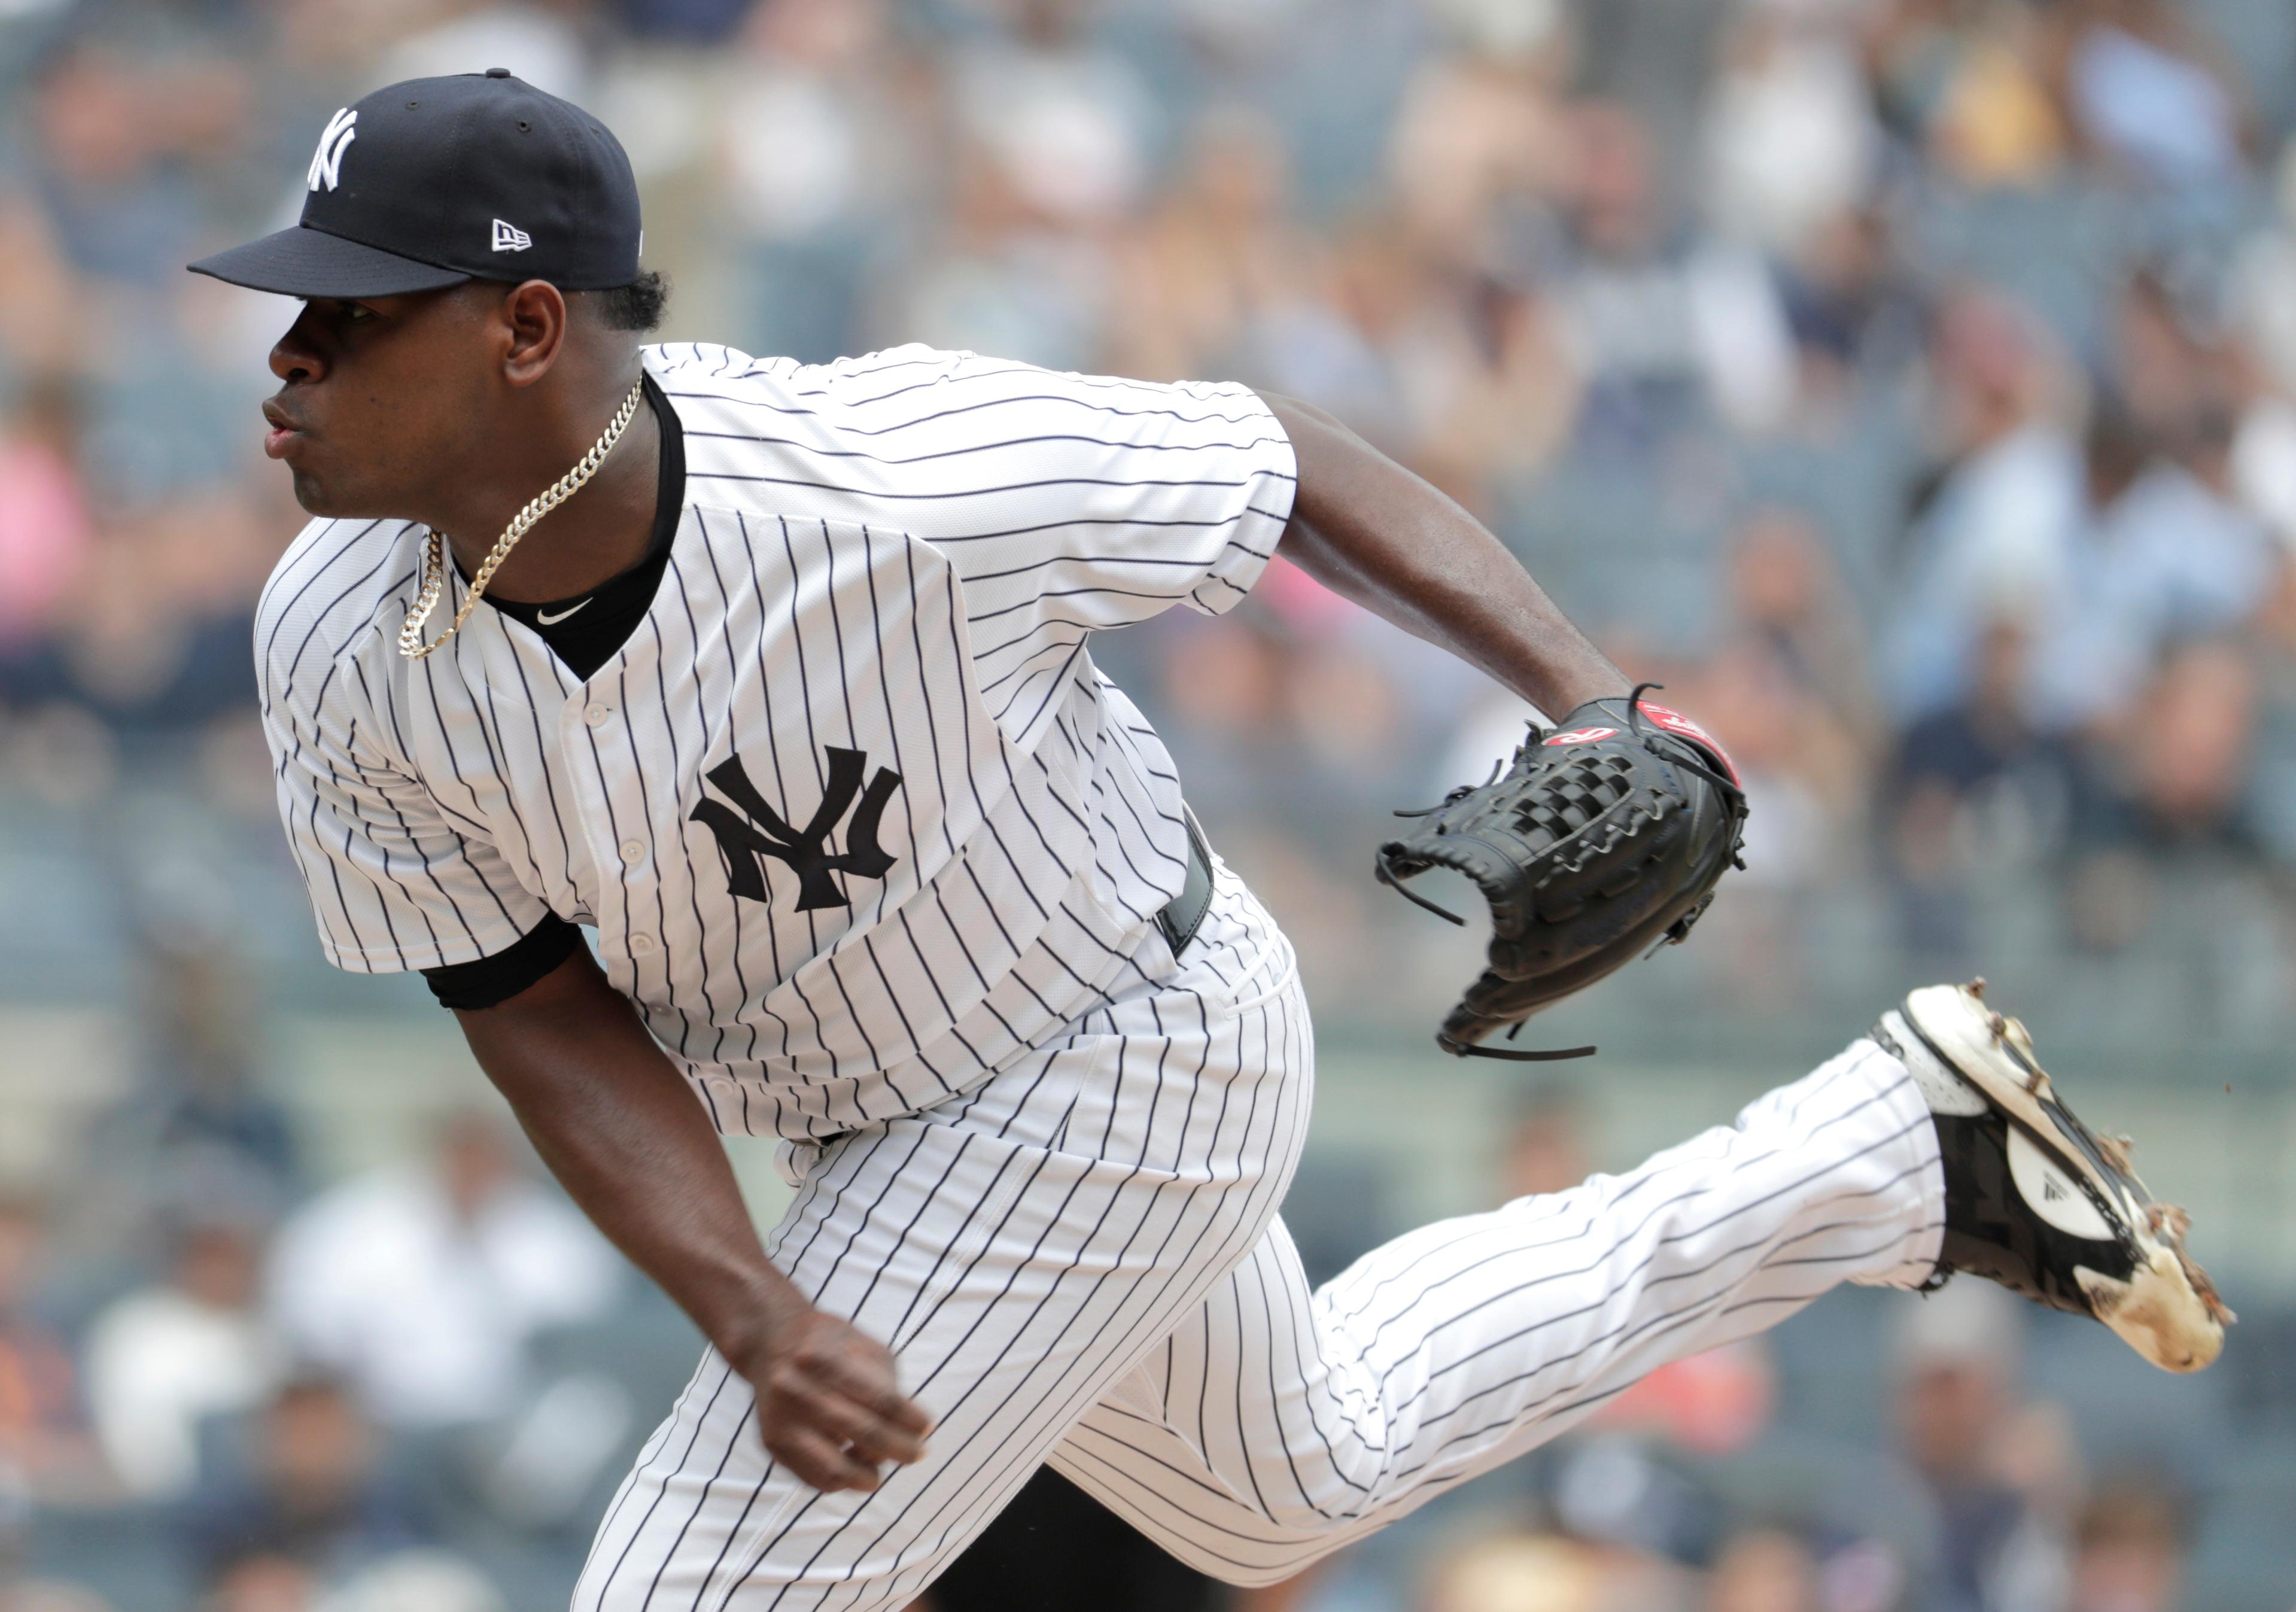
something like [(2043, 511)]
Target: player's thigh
[(1232, 1442), (1019, 1250)]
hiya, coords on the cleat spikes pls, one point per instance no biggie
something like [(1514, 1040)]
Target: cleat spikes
[(2041, 1204)]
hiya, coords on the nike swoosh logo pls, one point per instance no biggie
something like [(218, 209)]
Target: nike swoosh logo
[(547, 619)]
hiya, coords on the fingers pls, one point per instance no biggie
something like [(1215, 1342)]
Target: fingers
[(869, 1436), (831, 1409), (866, 1377), (832, 1442), (818, 1461)]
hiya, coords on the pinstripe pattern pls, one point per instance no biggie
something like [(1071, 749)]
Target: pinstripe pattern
[(1281, 1424), (1017, 1248), (901, 555), (1038, 1155), (1080, 1262)]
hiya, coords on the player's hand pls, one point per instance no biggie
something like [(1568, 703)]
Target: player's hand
[(830, 1403)]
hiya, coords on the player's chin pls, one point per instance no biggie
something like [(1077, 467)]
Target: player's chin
[(327, 497)]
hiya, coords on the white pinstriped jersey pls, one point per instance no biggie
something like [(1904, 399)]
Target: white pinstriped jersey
[(885, 568)]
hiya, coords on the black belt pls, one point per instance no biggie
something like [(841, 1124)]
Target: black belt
[(1185, 915)]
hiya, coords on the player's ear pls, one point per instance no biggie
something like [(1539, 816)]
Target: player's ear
[(534, 316)]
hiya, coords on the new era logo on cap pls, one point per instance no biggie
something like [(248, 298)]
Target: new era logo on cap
[(509, 238)]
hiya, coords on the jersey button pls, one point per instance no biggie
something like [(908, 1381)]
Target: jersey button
[(598, 715), (641, 945), (633, 853)]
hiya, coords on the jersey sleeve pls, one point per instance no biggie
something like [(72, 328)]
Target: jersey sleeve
[(394, 883), (1072, 503)]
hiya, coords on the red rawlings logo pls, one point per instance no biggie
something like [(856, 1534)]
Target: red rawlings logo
[(1675, 722), (1581, 735)]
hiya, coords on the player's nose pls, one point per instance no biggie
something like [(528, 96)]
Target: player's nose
[(295, 355)]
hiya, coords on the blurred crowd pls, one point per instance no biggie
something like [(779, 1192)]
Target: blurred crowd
[(224, 1383), (1908, 385)]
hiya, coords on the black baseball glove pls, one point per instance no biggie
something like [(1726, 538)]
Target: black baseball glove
[(1602, 842)]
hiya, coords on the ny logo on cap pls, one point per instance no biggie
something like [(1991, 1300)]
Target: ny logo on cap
[(509, 238), (327, 161)]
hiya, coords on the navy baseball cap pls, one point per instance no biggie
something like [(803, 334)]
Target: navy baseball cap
[(437, 181)]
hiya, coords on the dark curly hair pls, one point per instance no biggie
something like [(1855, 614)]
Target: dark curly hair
[(638, 305)]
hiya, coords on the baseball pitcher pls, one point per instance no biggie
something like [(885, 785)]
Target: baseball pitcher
[(776, 679)]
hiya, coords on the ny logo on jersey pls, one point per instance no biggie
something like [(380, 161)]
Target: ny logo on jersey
[(327, 161), (745, 844)]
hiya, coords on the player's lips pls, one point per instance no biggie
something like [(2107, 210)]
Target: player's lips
[(283, 432)]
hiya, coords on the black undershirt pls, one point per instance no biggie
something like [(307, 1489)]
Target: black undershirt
[(583, 632), (587, 629)]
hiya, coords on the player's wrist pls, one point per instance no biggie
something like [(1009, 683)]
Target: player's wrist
[(1583, 685), (754, 1316)]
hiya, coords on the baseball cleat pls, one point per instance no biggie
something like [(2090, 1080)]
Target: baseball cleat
[(2037, 1202)]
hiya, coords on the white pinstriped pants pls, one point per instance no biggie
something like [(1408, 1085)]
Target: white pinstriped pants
[(1080, 1262)]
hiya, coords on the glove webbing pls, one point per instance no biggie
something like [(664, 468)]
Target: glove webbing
[(1638, 725)]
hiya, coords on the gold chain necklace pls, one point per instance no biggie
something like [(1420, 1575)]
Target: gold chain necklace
[(434, 552)]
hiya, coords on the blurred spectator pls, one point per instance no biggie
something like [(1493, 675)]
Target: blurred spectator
[(198, 1135), (1714, 1403), (1668, 328), (261, 1582), (1067, 122), (541, 44), (2144, 95), (2184, 766), (817, 142), (1548, 1573), (2169, 368), (416, 1581), (1767, 1570), (44, 1448), (2160, 558), (209, 1101), (1791, 133), (303, 1491), (1970, 784), (2129, 1550), (1054, 138), (2177, 782), (162, 1361), (1207, 270), (2272, 790), (1545, 1146), (1965, 84), (103, 138), (1990, 537), (1788, 603), (1957, 1409), (2262, 294), (44, 519), (2263, 283), (423, 1285), (1790, 692), (1482, 134)]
